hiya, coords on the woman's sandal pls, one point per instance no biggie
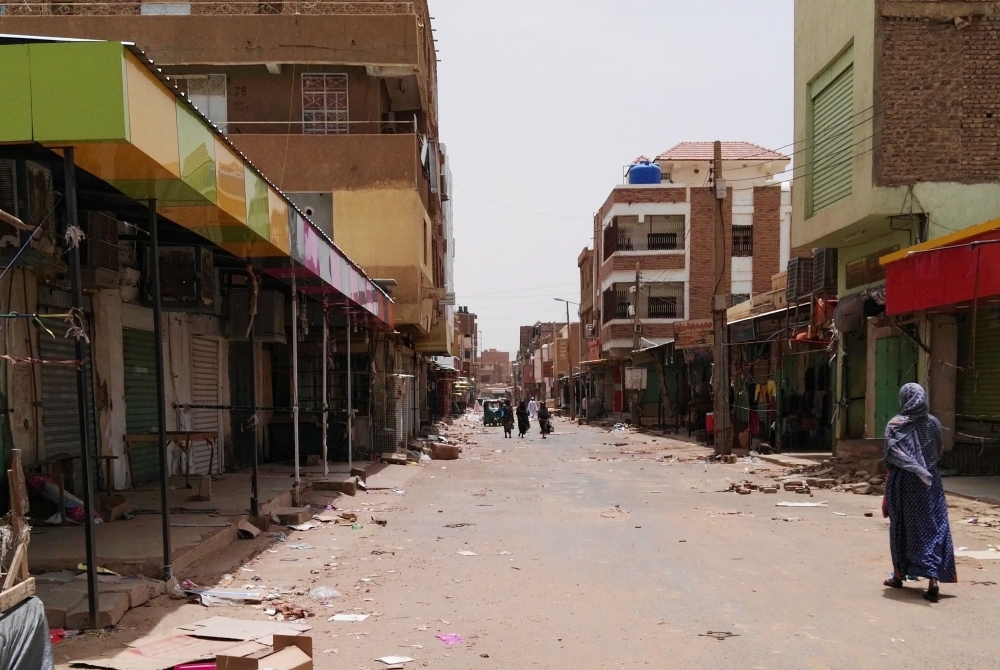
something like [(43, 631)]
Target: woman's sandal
[(893, 583), (932, 593)]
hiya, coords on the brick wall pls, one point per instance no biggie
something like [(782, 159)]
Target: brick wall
[(766, 236), (940, 120), (638, 195), (618, 331), (627, 263), (702, 284)]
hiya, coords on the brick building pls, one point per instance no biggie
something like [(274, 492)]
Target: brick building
[(895, 116), (661, 237), (494, 367), (467, 334)]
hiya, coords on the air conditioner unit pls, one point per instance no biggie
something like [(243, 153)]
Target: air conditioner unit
[(268, 324), (824, 282), (800, 279), (187, 278), (9, 236), (101, 264)]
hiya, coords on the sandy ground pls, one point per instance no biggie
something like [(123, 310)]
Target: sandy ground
[(592, 555)]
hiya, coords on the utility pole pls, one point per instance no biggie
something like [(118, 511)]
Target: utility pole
[(569, 365), (636, 345), (720, 302)]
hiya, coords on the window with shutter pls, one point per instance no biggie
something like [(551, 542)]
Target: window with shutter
[(831, 127)]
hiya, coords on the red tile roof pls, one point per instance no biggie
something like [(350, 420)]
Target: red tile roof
[(731, 151)]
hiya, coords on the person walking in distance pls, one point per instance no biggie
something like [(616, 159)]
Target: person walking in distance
[(507, 418), (523, 419), (543, 421), (919, 534), (533, 407)]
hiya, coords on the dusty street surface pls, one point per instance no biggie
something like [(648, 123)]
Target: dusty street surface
[(588, 557)]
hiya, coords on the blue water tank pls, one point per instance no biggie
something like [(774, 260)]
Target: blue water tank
[(644, 173)]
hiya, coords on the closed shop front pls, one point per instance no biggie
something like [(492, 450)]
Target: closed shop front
[(60, 403), (205, 391), (140, 402), (977, 395)]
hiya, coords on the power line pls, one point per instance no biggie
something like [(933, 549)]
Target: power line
[(516, 290)]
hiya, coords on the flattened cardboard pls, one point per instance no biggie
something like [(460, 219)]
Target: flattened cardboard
[(226, 628), (158, 653), (290, 653)]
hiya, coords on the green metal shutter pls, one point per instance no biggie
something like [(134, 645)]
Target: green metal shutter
[(832, 140), (61, 409), (895, 365), (979, 381), (140, 401)]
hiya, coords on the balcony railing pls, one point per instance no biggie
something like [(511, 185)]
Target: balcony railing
[(200, 7), (657, 300), (654, 233)]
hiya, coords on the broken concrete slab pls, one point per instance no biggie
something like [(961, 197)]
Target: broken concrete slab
[(347, 486), (111, 609), (292, 515), (58, 602), (54, 578)]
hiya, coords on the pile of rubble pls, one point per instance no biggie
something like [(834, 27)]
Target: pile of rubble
[(860, 477)]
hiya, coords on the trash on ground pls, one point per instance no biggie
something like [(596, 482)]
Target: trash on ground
[(394, 660), (450, 639), (785, 518), (801, 504), (380, 522), (719, 635), (308, 525), (459, 525), (349, 617), (301, 545), (466, 552), (323, 593), (227, 597)]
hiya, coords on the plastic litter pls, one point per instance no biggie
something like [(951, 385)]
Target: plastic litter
[(394, 660), (465, 552), (323, 593), (349, 617), (450, 639)]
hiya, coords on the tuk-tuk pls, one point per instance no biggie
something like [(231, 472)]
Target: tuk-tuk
[(491, 412)]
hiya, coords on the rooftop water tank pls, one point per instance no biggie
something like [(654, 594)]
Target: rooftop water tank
[(644, 173)]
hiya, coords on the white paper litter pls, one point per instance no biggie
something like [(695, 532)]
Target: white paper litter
[(800, 504), (465, 552), (349, 617), (393, 660), (986, 555)]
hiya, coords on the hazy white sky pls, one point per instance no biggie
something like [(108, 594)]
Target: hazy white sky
[(543, 103)]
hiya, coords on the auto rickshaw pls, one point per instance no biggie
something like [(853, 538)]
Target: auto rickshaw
[(492, 412)]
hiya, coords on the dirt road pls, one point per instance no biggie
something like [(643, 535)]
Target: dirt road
[(589, 555)]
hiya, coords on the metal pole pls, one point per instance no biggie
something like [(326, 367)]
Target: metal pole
[(161, 400), (254, 492), (72, 220), (326, 406), (350, 397), (720, 301), (295, 385), (569, 365)]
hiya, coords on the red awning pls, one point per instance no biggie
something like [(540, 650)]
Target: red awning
[(945, 272)]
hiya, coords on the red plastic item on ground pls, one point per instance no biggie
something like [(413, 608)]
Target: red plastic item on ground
[(710, 423), (56, 635)]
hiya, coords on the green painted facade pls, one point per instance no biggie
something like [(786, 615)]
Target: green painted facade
[(15, 84)]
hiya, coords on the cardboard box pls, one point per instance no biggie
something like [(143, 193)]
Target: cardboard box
[(113, 507), (290, 653)]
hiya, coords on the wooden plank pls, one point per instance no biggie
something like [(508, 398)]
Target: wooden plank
[(20, 556), (17, 482), (15, 596)]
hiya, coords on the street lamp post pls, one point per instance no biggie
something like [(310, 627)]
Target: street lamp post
[(569, 358)]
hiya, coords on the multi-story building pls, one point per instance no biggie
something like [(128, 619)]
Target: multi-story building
[(467, 336), (653, 257), (494, 367), (535, 361), (896, 130), (337, 101)]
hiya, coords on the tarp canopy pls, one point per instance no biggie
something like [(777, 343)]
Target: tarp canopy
[(945, 272)]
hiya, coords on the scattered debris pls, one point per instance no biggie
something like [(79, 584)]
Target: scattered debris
[(801, 504), (349, 617), (320, 593), (785, 518), (450, 639), (718, 635), (990, 554), (380, 522), (459, 525), (394, 660), (466, 552)]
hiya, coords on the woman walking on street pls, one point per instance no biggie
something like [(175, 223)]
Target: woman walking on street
[(919, 534), (523, 419), (507, 418), (543, 420)]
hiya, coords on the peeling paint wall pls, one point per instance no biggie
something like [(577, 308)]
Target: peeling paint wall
[(109, 379), (19, 293)]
